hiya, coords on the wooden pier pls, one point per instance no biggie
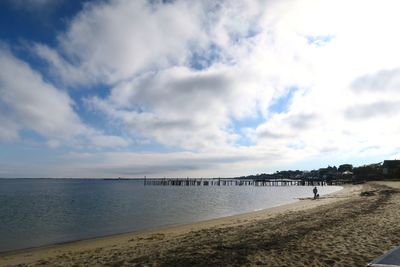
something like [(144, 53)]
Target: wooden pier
[(235, 182)]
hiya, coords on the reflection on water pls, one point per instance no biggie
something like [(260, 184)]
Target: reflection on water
[(44, 211)]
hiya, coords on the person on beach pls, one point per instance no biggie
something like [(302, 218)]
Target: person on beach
[(315, 191)]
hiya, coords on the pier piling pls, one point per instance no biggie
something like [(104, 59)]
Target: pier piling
[(236, 182)]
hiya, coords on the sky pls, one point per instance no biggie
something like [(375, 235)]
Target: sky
[(208, 88)]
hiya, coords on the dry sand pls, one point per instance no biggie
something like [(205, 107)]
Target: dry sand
[(342, 229)]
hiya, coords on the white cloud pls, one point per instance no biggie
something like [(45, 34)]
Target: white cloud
[(341, 57), (118, 39), (151, 164), (60, 67), (181, 107), (32, 103), (264, 67), (8, 129), (35, 103), (383, 80)]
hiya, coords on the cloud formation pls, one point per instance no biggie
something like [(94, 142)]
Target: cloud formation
[(31, 103), (383, 80), (115, 40), (217, 78)]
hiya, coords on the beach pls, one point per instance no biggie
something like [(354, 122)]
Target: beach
[(347, 228)]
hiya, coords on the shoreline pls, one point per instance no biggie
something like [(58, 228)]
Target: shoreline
[(214, 221), (127, 228), (19, 256), (270, 210)]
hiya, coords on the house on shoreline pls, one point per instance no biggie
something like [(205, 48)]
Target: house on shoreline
[(391, 168), (388, 169)]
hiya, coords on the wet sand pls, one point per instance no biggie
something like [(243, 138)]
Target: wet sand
[(342, 229)]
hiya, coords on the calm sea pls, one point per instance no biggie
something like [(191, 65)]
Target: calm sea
[(37, 212)]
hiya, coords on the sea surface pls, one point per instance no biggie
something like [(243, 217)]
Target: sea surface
[(38, 212)]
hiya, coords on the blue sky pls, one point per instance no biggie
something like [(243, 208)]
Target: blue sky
[(208, 88)]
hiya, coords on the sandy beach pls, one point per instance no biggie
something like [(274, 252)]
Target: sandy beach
[(346, 228)]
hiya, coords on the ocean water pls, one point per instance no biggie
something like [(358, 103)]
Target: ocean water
[(38, 212)]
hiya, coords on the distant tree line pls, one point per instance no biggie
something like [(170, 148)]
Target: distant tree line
[(389, 169)]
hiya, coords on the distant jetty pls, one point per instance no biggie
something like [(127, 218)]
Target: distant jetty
[(331, 175), (116, 179), (236, 182)]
